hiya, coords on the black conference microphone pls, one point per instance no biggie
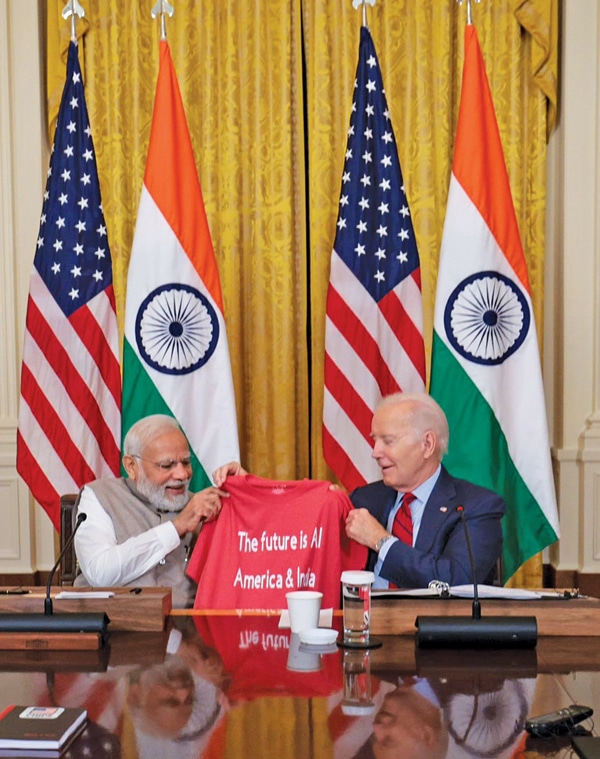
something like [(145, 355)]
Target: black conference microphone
[(475, 631), (476, 612), (48, 622), (48, 608)]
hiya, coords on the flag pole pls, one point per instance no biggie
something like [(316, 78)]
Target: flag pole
[(163, 8), (363, 3), (469, 10), (73, 9)]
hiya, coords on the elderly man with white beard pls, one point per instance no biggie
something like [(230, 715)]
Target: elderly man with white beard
[(140, 529)]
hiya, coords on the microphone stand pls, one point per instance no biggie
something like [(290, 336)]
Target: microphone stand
[(475, 631), (48, 606), (476, 613), (48, 622)]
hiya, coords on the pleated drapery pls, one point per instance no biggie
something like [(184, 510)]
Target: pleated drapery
[(267, 88)]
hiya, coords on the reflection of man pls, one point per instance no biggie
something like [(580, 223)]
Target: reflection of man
[(173, 710), (139, 529), (176, 705), (162, 698), (409, 520), (408, 726), (450, 717)]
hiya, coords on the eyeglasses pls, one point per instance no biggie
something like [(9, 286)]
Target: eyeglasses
[(167, 465)]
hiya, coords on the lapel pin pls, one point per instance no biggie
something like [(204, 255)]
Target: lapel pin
[(444, 509)]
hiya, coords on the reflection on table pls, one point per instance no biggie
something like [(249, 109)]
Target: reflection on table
[(228, 686)]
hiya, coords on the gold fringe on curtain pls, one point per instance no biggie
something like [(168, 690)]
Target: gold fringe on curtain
[(540, 19)]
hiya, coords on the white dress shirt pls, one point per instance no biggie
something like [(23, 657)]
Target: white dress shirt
[(106, 563)]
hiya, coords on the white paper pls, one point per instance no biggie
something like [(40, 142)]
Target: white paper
[(492, 591), (84, 594)]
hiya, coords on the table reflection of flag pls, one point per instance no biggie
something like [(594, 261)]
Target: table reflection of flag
[(95, 741)]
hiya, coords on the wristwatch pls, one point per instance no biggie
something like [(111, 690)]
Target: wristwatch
[(381, 541)]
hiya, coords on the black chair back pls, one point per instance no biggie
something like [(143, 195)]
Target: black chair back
[(68, 565)]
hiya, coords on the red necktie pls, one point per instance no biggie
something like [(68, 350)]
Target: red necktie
[(403, 526)]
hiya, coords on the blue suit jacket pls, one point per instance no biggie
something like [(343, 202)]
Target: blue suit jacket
[(440, 551)]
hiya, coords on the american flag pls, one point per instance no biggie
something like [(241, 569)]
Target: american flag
[(69, 415), (374, 327)]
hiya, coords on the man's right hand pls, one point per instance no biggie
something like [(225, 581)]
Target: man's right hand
[(202, 507), (362, 526)]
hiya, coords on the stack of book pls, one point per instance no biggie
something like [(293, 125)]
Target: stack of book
[(39, 731)]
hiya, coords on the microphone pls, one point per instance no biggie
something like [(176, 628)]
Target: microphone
[(48, 608), (475, 631), (48, 622), (476, 613)]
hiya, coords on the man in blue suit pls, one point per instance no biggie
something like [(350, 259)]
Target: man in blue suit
[(424, 540)]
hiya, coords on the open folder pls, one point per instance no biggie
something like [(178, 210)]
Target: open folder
[(442, 590)]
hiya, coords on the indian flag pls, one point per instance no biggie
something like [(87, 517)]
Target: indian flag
[(486, 371), (175, 354)]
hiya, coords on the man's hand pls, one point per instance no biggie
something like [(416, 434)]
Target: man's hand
[(202, 507), (362, 526), (227, 470)]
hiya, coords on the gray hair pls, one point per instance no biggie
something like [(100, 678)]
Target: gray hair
[(426, 415), (143, 432)]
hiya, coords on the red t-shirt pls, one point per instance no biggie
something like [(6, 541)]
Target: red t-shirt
[(272, 537)]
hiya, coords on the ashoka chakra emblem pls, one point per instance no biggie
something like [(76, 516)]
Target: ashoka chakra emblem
[(176, 329), (487, 318)]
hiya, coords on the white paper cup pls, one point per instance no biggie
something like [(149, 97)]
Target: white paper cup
[(304, 607)]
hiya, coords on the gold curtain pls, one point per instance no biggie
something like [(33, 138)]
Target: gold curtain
[(267, 88), (420, 51), (239, 70)]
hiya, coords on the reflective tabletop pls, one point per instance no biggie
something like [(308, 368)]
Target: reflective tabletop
[(240, 686)]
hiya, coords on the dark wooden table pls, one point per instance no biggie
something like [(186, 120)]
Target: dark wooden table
[(235, 685)]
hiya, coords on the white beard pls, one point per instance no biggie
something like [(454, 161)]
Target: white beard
[(157, 494)]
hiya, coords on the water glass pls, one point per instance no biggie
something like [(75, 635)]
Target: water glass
[(356, 599)]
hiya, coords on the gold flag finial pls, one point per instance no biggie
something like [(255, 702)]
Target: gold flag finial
[(469, 9), (357, 3), (163, 8), (73, 9)]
